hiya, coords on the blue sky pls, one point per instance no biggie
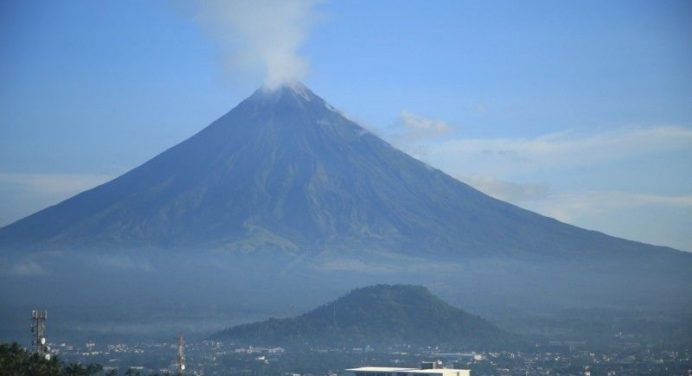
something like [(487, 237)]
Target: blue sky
[(578, 110)]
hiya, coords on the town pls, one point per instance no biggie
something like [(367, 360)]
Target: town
[(219, 358)]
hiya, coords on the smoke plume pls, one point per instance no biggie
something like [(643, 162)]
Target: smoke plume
[(261, 35)]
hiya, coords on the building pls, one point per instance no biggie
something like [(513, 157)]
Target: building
[(426, 369)]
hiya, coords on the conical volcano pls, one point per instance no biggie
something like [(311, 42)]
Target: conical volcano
[(283, 202), (285, 171)]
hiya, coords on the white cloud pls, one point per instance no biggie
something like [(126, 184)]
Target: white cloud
[(501, 156), (650, 218), (654, 160), (412, 132), (23, 194), (646, 217), (567, 206), (54, 184), (416, 126), (506, 190), (260, 33), (124, 262), (28, 268)]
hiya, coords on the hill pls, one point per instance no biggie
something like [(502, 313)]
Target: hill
[(382, 316)]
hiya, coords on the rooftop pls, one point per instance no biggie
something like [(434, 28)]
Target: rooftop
[(406, 370), (381, 369)]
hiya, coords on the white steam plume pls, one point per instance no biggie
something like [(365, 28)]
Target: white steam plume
[(260, 34)]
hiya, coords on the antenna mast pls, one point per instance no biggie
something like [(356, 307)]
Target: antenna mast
[(38, 332), (181, 355)]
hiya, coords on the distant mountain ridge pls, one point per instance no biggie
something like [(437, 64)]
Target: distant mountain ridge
[(380, 315), (283, 171)]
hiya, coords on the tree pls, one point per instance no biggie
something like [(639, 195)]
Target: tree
[(16, 361)]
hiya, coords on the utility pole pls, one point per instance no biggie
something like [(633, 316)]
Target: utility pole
[(181, 355), (38, 332)]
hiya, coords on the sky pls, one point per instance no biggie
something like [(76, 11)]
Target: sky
[(579, 110)]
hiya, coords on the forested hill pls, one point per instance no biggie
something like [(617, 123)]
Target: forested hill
[(379, 316)]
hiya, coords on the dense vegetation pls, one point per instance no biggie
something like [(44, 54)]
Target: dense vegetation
[(16, 361), (377, 316)]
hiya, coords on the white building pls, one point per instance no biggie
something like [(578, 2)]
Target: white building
[(427, 369)]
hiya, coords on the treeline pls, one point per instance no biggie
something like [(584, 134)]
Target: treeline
[(16, 361)]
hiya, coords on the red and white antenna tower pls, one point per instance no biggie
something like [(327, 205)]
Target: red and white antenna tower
[(181, 355), (38, 332)]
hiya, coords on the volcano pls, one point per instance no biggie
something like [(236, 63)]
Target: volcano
[(286, 172), (285, 194)]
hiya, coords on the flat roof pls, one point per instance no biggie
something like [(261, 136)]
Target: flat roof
[(381, 369), (407, 370), (435, 370)]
